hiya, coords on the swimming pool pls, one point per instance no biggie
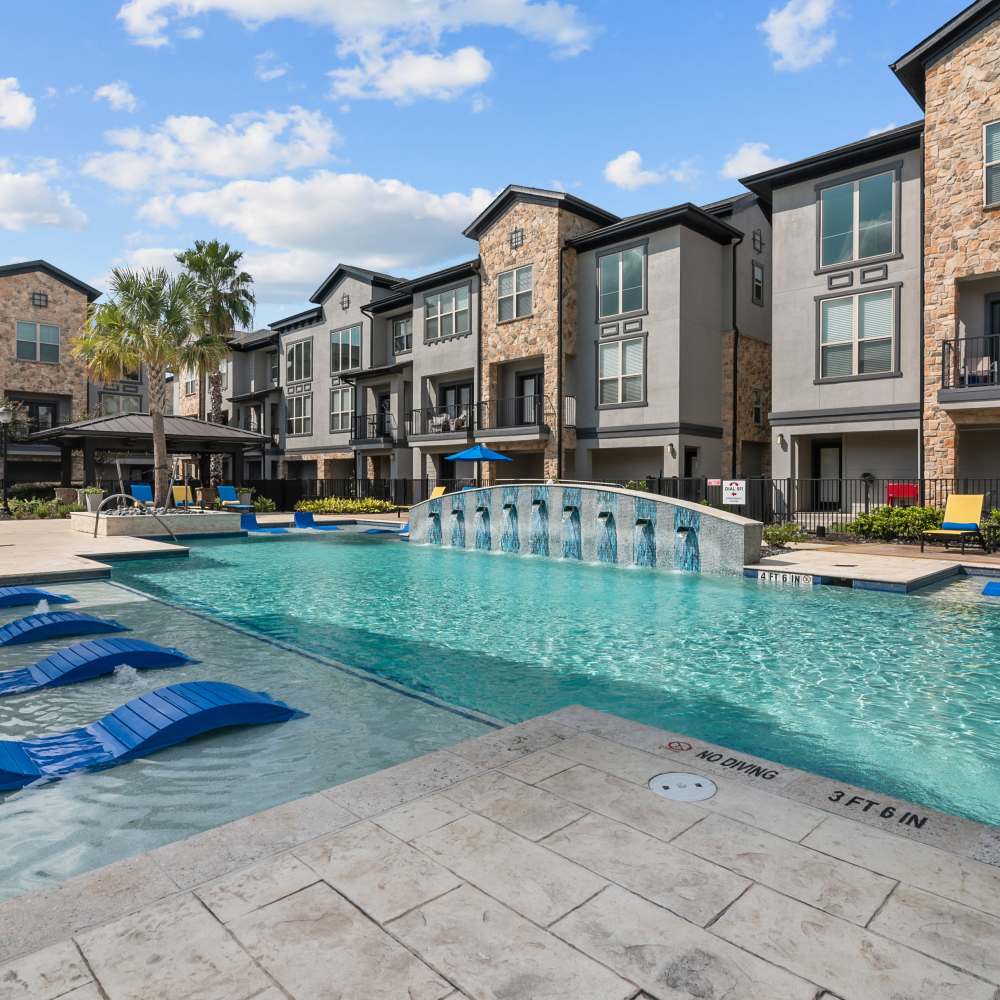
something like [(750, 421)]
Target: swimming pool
[(897, 694)]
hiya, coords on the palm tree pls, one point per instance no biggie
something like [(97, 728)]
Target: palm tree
[(151, 319), (225, 300)]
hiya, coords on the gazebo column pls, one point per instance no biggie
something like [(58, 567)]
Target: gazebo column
[(205, 469), (238, 467), (89, 463), (65, 465)]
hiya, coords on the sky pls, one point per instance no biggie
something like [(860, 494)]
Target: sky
[(371, 132)]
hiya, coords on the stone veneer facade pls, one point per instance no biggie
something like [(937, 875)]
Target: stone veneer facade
[(754, 372), (961, 237)]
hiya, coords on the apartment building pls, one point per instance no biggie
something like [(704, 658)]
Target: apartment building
[(886, 283), (42, 309)]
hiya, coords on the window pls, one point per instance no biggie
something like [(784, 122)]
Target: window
[(446, 314), (856, 219), (38, 342), (190, 383), (40, 415), (299, 361), (272, 367), (40, 300), (112, 404), (856, 334), (991, 163), (300, 413), (341, 408), (514, 294), (516, 239), (757, 407), (224, 372), (620, 375), (402, 335), (757, 284), (620, 278), (345, 350)]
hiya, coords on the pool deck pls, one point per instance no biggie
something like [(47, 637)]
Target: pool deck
[(534, 863)]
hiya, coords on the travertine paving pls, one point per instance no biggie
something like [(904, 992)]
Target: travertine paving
[(535, 863)]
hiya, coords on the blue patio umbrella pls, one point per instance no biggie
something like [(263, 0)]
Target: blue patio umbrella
[(478, 453)]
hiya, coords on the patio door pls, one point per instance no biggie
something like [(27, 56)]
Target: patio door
[(529, 398), (383, 407), (827, 459), (456, 400)]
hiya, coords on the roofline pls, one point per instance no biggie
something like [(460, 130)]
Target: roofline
[(253, 344), (854, 154), (688, 215), (280, 324), (910, 67), (404, 291), (362, 273), (28, 266), (90, 425), (541, 196)]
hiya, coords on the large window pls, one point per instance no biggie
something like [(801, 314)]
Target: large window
[(446, 314), (112, 404), (41, 415), (300, 414), (341, 408), (402, 335), (345, 350), (514, 294), (299, 361), (991, 163), (38, 342), (621, 375), (856, 219), (857, 334), (620, 279)]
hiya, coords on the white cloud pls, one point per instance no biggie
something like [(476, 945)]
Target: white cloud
[(479, 103), (118, 95), (750, 158), (884, 128), (798, 33), (686, 172), (17, 109), (192, 32), (407, 76), (27, 199), (626, 171), (185, 149), (267, 67)]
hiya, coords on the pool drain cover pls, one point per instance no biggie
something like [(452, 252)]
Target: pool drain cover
[(679, 786)]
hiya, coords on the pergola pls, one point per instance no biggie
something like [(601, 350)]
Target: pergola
[(133, 432)]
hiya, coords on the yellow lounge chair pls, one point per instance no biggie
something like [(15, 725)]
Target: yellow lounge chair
[(438, 491), (182, 496), (962, 515)]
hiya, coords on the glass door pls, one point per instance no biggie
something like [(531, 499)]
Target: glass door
[(529, 397)]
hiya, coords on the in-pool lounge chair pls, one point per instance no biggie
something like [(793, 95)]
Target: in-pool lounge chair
[(142, 492), (230, 499), (305, 521), (248, 523), (962, 515), (183, 497)]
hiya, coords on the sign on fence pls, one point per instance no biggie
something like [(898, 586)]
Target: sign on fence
[(734, 492)]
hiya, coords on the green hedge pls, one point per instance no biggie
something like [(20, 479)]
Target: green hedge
[(37, 508), (778, 535), (345, 505), (887, 524)]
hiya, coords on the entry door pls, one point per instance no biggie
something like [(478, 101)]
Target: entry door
[(456, 399), (827, 464), (529, 393)]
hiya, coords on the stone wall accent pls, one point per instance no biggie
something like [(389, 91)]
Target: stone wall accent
[(961, 237), (754, 364), (195, 405)]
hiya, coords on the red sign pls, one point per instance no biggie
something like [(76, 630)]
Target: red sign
[(678, 745), (715, 482)]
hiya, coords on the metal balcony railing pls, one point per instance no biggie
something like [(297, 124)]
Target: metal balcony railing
[(519, 411), (455, 419), (375, 427), (970, 362)]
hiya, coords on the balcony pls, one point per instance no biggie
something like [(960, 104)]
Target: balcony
[(377, 430), (970, 372), (444, 424), (521, 418)]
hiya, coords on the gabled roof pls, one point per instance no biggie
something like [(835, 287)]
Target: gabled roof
[(911, 67), (855, 154), (403, 291), (688, 215), (538, 196), (30, 266), (726, 206), (251, 340), (361, 273), (307, 316)]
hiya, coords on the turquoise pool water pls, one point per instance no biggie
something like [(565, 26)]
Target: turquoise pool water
[(898, 694)]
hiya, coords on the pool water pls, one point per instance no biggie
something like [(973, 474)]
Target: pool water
[(897, 694)]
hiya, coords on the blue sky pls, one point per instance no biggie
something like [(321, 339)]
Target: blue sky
[(308, 132)]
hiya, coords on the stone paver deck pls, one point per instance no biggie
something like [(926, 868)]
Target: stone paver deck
[(534, 863)]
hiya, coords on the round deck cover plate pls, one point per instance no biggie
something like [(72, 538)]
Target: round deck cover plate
[(680, 786)]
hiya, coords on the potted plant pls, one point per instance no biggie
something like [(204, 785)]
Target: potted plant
[(246, 495), (92, 497)]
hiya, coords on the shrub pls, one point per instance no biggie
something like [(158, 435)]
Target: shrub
[(345, 505), (886, 524), (31, 491), (779, 535), (264, 505), (35, 508)]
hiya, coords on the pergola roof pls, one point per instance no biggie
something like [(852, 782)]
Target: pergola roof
[(134, 431)]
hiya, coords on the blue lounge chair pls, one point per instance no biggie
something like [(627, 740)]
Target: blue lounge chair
[(15, 597), (248, 523), (992, 589), (305, 521), (142, 492), (84, 661), (230, 499), (144, 725), (55, 625)]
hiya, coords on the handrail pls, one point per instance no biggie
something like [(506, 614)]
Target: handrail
[(134, 502)]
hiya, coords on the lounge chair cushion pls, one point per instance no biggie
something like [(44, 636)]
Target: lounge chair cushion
[(958, 526)]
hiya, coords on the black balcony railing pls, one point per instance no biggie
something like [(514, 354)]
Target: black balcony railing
[(375, 427), (455, 419), (519, 411), (970, 362)]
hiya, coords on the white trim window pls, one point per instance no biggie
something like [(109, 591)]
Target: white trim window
[(991, 163), (446, 314), (621, 279), (300, 414), (345, 350), (514, 293), (857, 219), (37, 342), (402, 335), (341, 408), (621, 374), (113, 404), (298, 361), (757, 407), (857, 334), (190, 383)]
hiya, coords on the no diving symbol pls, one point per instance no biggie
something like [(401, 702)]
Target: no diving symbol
[(678, 745)]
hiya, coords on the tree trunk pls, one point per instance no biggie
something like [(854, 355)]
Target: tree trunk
[(157, 404), (215, 393)]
